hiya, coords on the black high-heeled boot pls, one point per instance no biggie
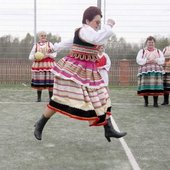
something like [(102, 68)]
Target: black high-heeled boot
[(39, 92), (155, 101), (111, 132), (146, 101), (50, 94), (166, 99), (39, 127)]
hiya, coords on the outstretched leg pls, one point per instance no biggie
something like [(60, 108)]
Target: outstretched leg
[(111, 132), (41, 123)]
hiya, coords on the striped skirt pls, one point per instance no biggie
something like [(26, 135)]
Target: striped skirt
[(80, 102), (79, 91), (42, 78), (150, 84)]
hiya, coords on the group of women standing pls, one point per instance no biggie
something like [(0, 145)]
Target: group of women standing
[(79, 89), (153, 72)]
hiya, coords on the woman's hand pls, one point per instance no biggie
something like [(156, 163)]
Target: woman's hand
[(151, 61), (110, 22)]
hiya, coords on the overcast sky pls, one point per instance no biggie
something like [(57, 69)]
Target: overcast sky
[(135, 19)]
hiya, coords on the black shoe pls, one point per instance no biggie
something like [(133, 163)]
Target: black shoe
[(39, 92), (164, 103), (38, 100), (166, 99), (115, 134), (111, 132), (39, 127), (155, 99), (146, 104), (155, 105), (50, 94), (146, 101)]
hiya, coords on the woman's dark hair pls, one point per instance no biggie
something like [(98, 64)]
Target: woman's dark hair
[(90, 13), (150, 38)]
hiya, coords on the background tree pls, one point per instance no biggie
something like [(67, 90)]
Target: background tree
[(12, 47)]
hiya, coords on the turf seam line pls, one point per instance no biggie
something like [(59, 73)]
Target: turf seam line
[(127, 150)]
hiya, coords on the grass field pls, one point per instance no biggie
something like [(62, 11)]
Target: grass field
[(69, 144)]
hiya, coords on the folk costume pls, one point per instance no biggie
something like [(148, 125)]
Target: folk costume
[(166, 52), (79, 90), (150, 75), (42, 78)]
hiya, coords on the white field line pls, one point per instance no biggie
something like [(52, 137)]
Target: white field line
[(127, 150)]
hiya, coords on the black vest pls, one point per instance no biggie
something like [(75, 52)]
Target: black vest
[(77, 40)]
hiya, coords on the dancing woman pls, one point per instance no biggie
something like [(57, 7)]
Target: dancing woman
[(79, 90)]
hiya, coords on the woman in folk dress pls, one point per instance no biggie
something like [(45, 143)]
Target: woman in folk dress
[(150, 72), (79, 90), (166, 52), (42, 78)]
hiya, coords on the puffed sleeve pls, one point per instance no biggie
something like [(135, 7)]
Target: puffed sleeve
[(100, 37), (32, 53), (63, 45), (161, 59), (140, 59)]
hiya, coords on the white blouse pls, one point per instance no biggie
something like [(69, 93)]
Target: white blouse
[(141, 58), (51, 55), (89, 35)]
